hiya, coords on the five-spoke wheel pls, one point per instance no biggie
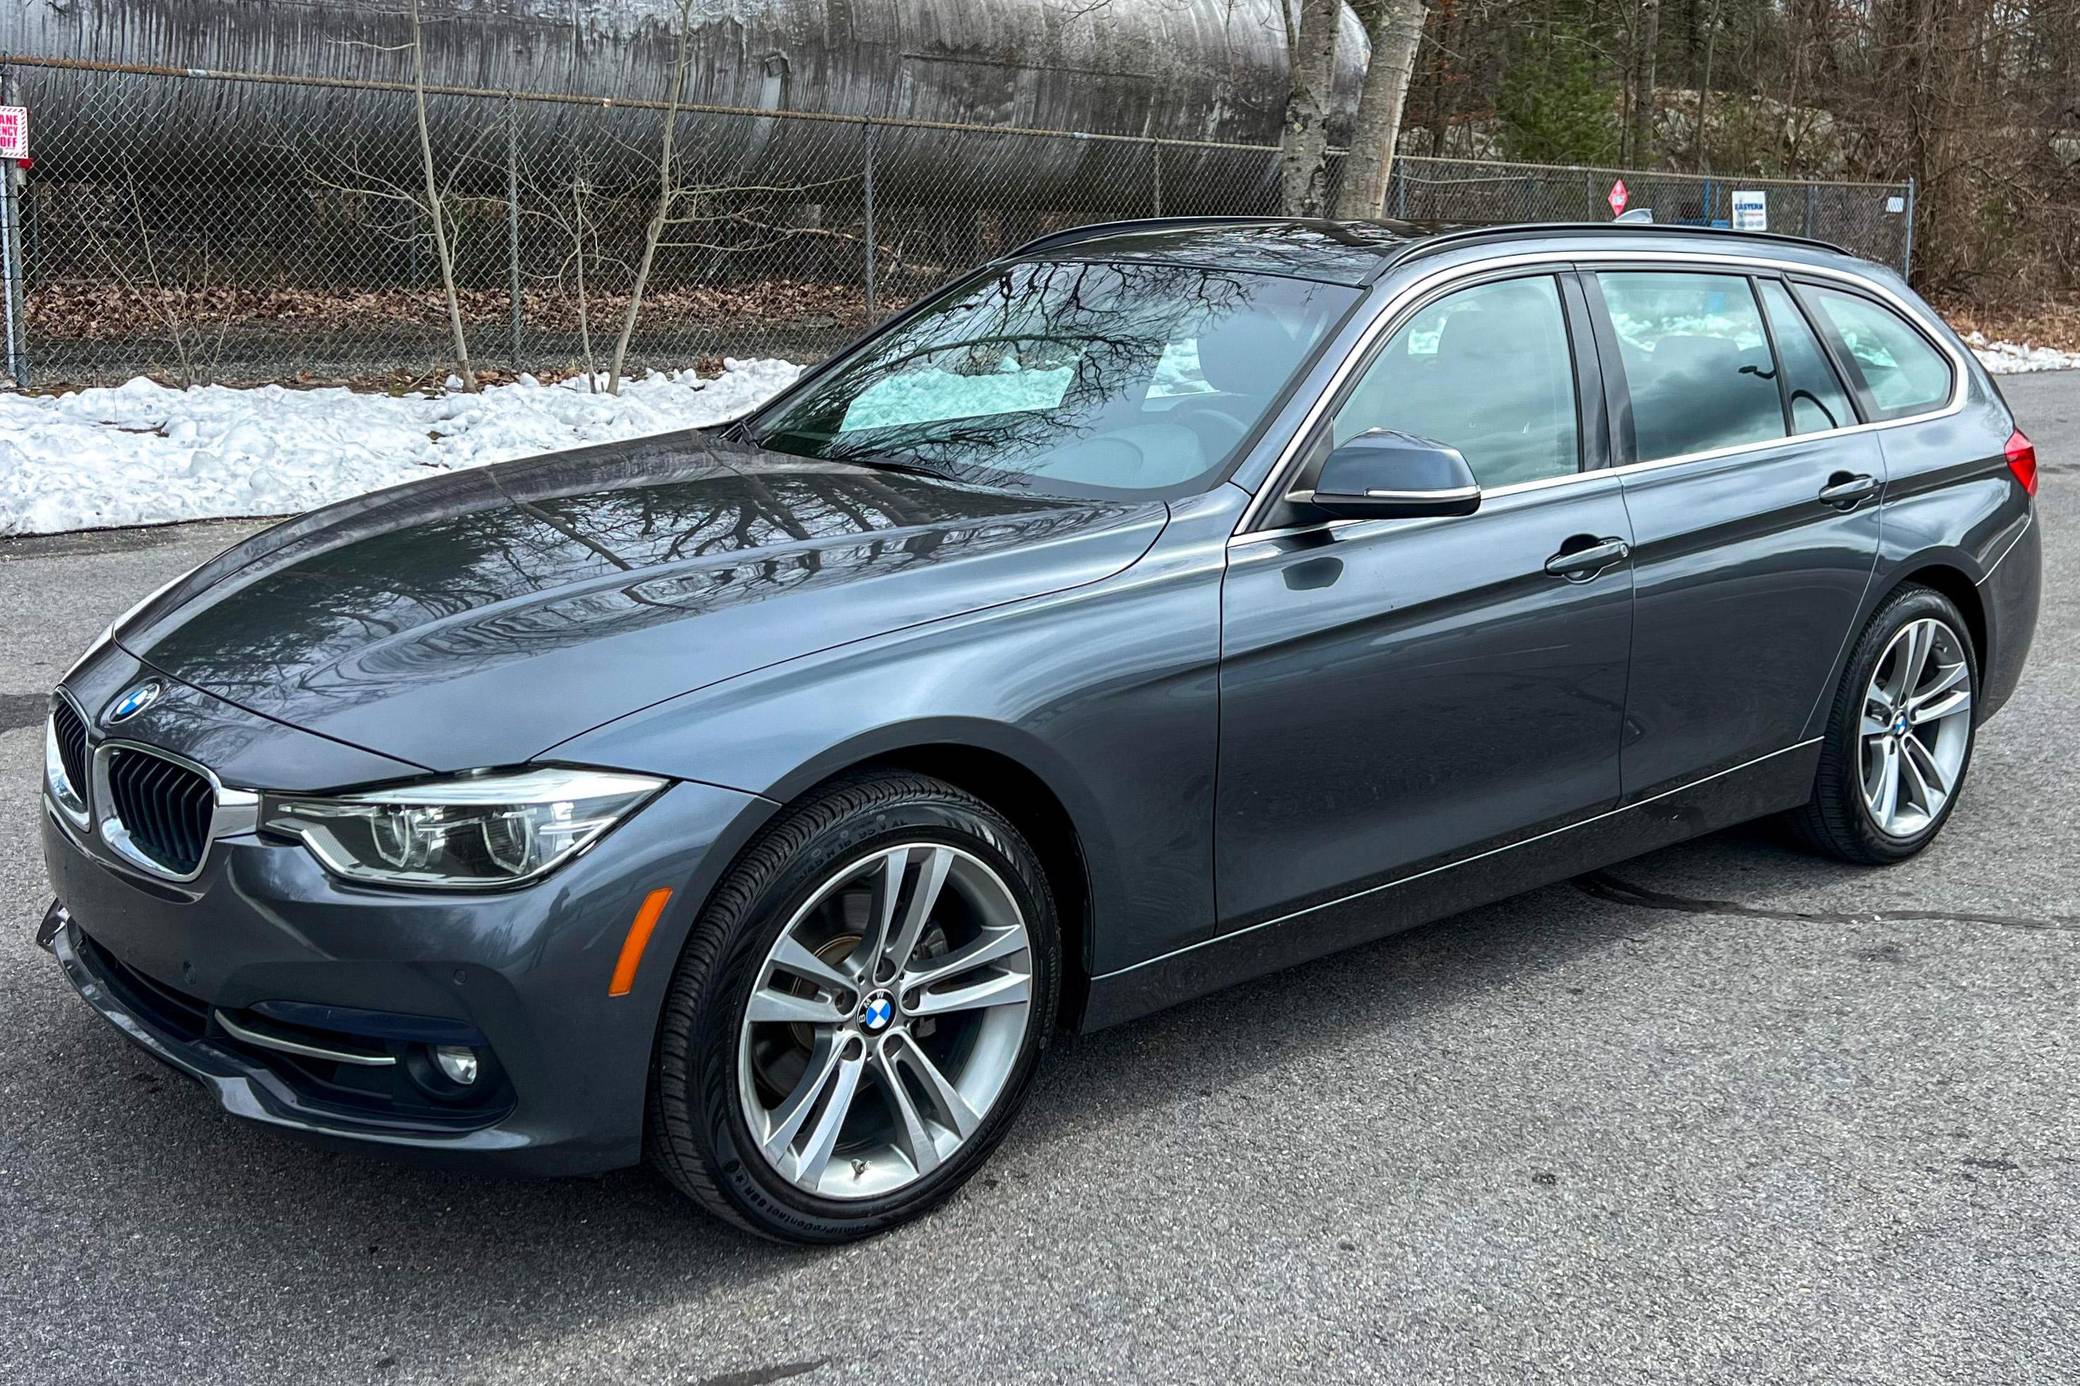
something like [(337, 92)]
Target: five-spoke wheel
[(1899, 737), (1917, 726), (886, 1020), (858, 1011)]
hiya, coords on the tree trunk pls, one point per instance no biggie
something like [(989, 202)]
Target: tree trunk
[(1704, 92), (1303, 161), (1441, 49), (436, 213), (1396, 30), (1646, 40)]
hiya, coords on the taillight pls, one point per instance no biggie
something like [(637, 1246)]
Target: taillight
[(2022, 460)]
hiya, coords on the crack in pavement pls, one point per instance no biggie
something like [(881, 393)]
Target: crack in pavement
[(763, 1376), (1601, 885)]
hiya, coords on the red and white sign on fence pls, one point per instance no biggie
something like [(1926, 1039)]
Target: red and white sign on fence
[(14, 132), (1618, 198)]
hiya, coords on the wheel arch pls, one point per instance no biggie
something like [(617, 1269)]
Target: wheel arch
[(1950, 580), (1014, 775), (1023, 796), (1944, 571)]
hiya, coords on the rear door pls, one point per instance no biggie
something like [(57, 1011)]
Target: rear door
[(1398, 692), (1754, 514)]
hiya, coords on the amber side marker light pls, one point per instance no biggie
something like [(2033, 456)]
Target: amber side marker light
[(638, 938)]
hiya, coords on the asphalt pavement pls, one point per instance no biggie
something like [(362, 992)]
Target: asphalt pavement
[(1726, 1113)]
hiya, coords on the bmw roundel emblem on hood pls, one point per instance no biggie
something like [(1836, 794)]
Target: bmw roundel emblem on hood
[(135, 701)]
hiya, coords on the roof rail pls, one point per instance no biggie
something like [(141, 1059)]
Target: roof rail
[(1451, 240), (1072, 234)]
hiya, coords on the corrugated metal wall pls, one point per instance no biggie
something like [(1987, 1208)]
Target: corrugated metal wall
[(1174, 69)]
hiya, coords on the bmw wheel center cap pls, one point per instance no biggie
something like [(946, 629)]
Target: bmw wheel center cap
[(875, 1016)]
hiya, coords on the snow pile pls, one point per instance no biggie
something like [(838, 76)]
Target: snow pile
[(142, 453), (2007, 358)]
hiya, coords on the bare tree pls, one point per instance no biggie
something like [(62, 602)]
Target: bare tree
[(1303, 159), (1645, 40), (179, 300), (1396, 30), (436, 210), (578, 229), (562, 206), (669, 192)]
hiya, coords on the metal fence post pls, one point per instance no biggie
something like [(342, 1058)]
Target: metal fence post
[(1906, 259), (1812, 210), (1155, 155), (513, 226), (13, 307), (873, 301), (1397, 173)]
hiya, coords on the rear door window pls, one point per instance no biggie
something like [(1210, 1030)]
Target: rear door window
[(1818, 401), (1697, 362), (1902, 371)]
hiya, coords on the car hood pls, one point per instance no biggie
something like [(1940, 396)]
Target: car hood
[(479, 617)]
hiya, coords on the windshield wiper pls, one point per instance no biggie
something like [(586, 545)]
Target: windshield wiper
[(776, 441), (882, 462)]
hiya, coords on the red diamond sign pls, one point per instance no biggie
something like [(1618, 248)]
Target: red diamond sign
[(1618, 198)]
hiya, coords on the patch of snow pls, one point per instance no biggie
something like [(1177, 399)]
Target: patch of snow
[(144, 454), (2010, 358)]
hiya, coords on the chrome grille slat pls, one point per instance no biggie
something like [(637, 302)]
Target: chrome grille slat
[(164, 806)]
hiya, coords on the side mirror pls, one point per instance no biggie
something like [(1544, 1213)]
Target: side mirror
[(1385, 475)]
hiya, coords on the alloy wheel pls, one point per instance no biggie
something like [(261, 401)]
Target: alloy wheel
[(885, 1021), (1916, 727)]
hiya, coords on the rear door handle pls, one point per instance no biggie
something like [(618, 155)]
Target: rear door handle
[(1847, 490), (1581, 564)]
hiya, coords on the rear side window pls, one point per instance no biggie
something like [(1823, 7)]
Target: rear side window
[(1818, 401), (1697, 363), (1487, 370), (1902, 371)]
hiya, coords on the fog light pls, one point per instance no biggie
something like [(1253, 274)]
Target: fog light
[(458, 1061)]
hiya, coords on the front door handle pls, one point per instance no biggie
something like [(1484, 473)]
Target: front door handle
[(1847, 489), (1592, 557)]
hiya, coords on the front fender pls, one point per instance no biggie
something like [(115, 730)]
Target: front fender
[(1107, 693)]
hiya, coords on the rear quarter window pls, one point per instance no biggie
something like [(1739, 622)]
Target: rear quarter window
[(1902, 371)]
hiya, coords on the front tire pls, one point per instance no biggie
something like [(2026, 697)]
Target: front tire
[(857, 1014), (1899, 736)]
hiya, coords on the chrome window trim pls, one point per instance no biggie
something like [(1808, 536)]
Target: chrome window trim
[(1455, 493), (1455, 863), (233, 811), (1396, 311)]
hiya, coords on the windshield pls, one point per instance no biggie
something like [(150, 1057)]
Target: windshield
[(1090, 378)]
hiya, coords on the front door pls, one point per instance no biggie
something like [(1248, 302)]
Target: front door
[(1400, 692)]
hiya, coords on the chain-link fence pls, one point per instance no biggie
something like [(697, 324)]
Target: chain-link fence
[(277, 230)]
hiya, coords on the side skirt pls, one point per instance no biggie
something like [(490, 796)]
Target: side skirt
[(1781, 780)]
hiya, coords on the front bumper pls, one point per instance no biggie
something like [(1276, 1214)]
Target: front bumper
[(263, 931)]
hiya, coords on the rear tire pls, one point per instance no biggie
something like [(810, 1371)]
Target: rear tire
[(857, 1014), (1899, 736)]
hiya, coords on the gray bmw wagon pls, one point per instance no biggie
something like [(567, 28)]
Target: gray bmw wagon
[(1159, 605)]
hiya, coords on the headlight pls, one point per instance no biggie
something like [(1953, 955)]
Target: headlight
[(483, 831)]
